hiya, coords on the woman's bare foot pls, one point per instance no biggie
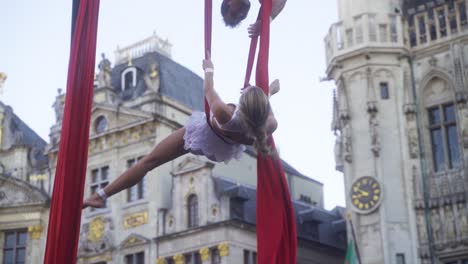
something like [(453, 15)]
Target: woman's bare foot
[(94, 201), (274, 87)]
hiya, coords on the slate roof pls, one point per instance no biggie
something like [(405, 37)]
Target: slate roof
[(331, 226), (176, 81), (27, 137)]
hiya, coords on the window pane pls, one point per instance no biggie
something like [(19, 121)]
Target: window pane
[(94, 176), (140, 258), (437, 149), (254, 257), (22, 236), (8, 256), (246, 257), (384, 94), (383, 33), (198, 259), (463, 22), (400, 258), (129, 259), (434, 116), (449, 113), (140, 189), (452, 143), (465, 261), (10, 240), (422, 29), (432, 25), (442, 24), (20, 255), (104, 173)]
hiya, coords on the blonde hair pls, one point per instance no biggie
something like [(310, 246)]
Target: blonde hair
[(254, 109)]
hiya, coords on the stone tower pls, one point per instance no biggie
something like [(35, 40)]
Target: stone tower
[(401, 125)]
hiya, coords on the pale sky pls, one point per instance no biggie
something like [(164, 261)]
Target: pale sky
[(35, 42)]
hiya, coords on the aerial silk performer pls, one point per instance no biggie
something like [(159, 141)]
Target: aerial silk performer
[(70, 175), (276, 225)]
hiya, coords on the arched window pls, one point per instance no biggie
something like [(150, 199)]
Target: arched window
[(192, 210), (128, 78), (442, 125)]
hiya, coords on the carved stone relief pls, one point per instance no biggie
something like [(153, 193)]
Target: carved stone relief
[(97, 236)]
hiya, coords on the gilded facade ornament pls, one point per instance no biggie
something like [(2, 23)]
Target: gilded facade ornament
[(96, 229), (160, 261), (223, 249), (35, 232), (179, 259), (136, 220), (205, 254)]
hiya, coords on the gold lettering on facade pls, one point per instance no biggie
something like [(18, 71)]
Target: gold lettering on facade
[(135, 220)]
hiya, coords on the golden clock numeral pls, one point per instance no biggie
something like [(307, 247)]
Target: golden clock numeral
[(355, 189), (360, 205), (355, 196), (356, 202), (366, 206), (376, 198), (372, 202), (375, 185), (364, 181), (377, 191)]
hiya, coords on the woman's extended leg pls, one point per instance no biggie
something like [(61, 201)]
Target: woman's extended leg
[(168, 149)]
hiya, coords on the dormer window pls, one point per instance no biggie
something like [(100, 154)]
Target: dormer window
[(100, 124), (129, 78)]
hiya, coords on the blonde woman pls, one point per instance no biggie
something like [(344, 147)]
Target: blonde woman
[(232, 127)]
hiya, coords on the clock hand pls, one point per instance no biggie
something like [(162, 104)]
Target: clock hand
[(364, 193)]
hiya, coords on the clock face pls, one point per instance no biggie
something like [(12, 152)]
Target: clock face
[(366, 194)]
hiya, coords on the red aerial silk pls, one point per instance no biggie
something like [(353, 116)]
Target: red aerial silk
[(67, 196), (276, 225)]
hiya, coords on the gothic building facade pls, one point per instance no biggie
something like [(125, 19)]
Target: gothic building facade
[(401, 120), (189, 210)]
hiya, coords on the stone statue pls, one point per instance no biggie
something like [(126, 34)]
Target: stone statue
[(104, 75), (449, 224), (436, 226), (3, 78), (413, 142), (59, 105), (152, 76), (374, 133), (347, 144), (338, 153), (462, 221), (463, 110), (421, 228)]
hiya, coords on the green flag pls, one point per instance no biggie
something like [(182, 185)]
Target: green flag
[(351, 254)]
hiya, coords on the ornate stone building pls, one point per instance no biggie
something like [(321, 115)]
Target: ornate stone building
[(24, 199), (189, 210), (401, 122)]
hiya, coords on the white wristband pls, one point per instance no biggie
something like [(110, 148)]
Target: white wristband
[(102, 194), (209, 70)]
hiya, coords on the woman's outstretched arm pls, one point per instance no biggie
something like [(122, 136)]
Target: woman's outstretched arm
[(219, 108)]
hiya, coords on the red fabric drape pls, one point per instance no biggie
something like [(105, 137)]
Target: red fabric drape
[(208, 24), (67, 196), (276, 225)]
